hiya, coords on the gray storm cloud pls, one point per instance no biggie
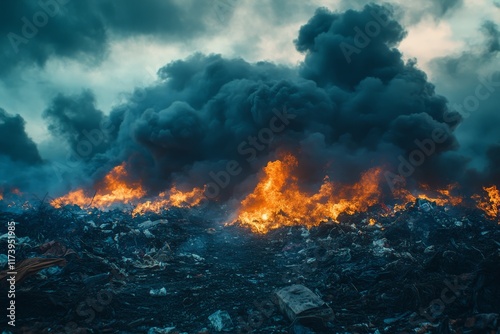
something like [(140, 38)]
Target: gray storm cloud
[(35, 31)]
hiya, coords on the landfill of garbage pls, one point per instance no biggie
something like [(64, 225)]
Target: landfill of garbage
[(424, 269)]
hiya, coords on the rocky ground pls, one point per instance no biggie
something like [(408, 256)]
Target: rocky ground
[(419, 270)]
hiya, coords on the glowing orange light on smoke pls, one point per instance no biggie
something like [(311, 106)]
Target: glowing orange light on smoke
[(8, 195), (491, 204), (277, 200)]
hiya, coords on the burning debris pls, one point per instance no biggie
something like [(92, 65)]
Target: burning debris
[(115, 190), (174, 198), (491, 204), (278, 201)]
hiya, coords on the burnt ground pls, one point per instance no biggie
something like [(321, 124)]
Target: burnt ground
[(412, 272)]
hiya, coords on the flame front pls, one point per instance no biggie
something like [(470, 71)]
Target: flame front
[(441, 197), (277, 200), (490, 205), (174, 197), (113, 189)]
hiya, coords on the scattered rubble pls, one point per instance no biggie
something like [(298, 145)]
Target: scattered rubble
[(158, 292), (297, 301), (221, 321), (384, 271), (31, 266), (157, 330)]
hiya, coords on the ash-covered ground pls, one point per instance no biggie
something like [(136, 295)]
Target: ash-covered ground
[(425, 269)]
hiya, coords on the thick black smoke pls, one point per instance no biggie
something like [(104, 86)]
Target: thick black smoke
[(76, 121), (14, 142), (353, 104), (20, 163)]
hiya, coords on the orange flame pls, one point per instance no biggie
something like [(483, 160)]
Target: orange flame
[(8, 195), (174, 197), (441, 197), (115, 188), (490, 206), (278, 201), (112, 190)]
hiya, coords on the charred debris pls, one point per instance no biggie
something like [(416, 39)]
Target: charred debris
[(424, 269)]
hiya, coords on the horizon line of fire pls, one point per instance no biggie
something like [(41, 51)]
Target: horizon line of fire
[(277, 199)]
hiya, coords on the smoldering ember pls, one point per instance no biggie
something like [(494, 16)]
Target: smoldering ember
[(226, 166)]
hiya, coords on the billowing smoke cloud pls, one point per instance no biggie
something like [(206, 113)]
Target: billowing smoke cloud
[(351, 105), (14, 142), (20, 164), (76, 121), (339, 51), (35, 30)]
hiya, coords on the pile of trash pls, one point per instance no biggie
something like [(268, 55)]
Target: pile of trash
[(425, 269)]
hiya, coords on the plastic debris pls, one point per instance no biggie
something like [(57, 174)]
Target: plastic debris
[(158, 292), (298, 301), (221, 321)]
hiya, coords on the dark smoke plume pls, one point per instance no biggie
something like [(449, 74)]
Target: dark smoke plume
[(354, 103), (343, 114), (14, 142)]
